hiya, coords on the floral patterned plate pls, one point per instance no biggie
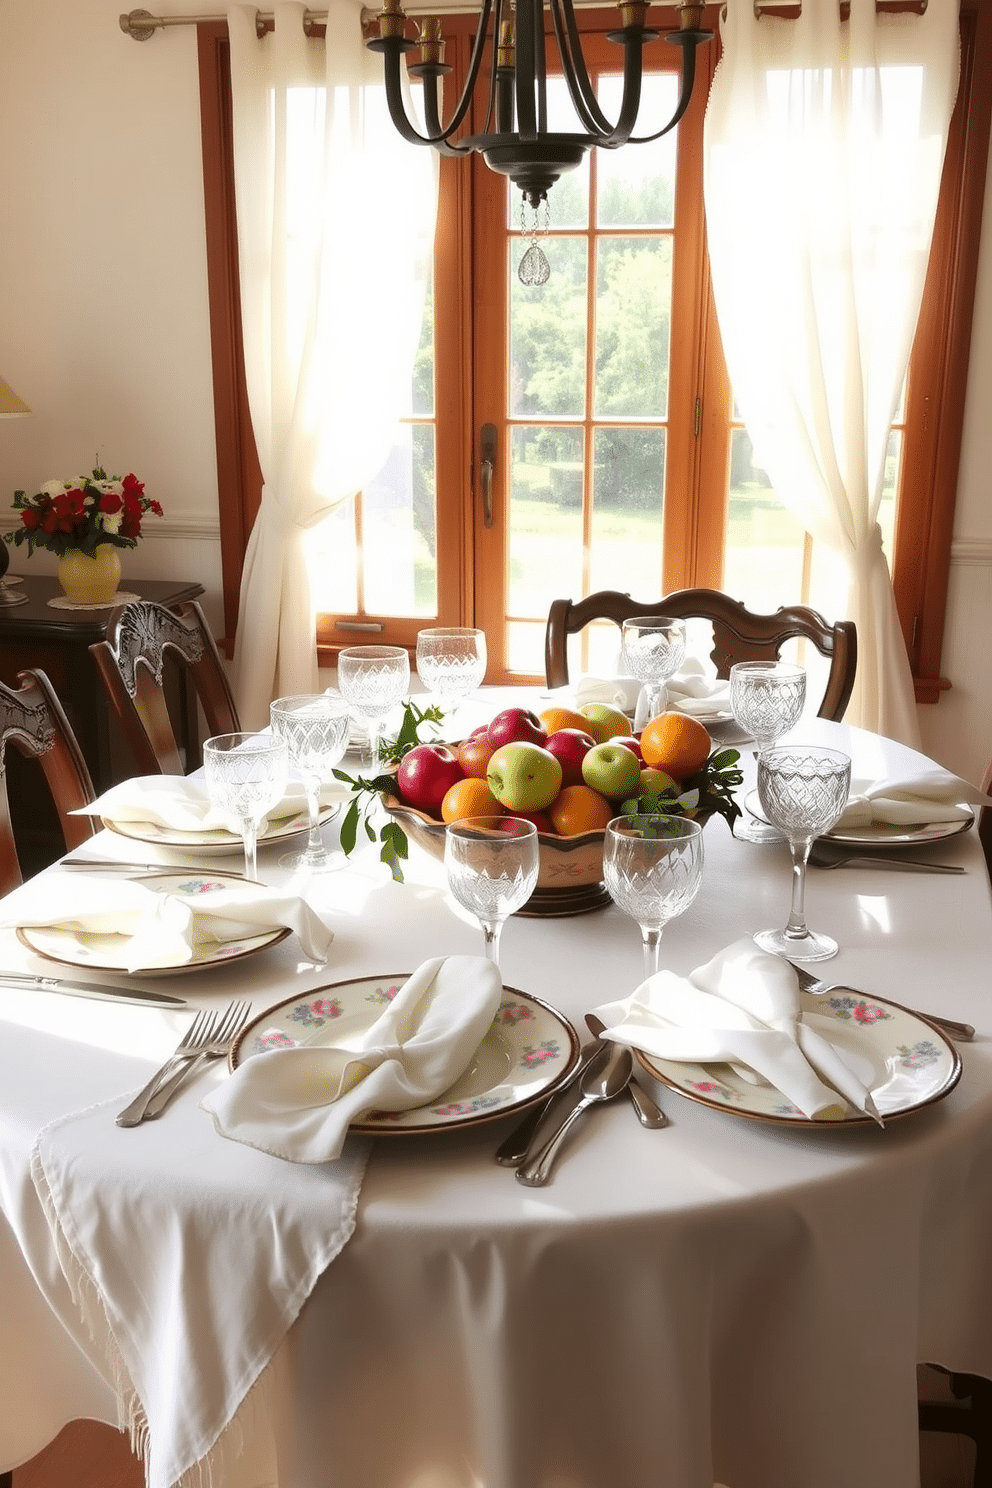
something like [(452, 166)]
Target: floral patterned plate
[(109, 952), (526, 1055), (905, 1061), (216, 842)]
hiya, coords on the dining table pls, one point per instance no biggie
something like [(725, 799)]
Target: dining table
[(726, 1300)]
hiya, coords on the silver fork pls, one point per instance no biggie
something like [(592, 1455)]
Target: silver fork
[(822, 857), (199, 1032), (962, 1032), (234, 1019)]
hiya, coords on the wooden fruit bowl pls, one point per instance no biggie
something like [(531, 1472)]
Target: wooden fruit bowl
[(570, 878)]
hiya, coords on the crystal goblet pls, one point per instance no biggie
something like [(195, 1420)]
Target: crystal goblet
[(314, 727), (373, 679), (803, 789), (451, 662), (653, 868), (492, 864), (653, 651), (767, 699), (246, 775)]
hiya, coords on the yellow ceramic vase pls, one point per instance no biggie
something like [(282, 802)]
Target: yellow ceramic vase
[(89, 580)]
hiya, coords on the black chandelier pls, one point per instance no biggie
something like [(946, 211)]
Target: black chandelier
[(516, 141)]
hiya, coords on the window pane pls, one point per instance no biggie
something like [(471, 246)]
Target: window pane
[(763, 559), (633, 315), (398, 529), (525, 647), (636, 187), (887, 506), (628, 487), (545, 527), (422, 399), (332, 560), (548, 333)]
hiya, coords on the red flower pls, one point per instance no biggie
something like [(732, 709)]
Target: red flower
[(130, 525), (869, 1012), (110, 502), (132, 486), (31, 517)]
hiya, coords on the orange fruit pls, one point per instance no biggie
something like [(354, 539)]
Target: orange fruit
[(469, 797), (578, 808), (676, 743), (562, 718)]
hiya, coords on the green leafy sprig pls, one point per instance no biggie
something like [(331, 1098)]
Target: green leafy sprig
[(393, 846), (709, 792)]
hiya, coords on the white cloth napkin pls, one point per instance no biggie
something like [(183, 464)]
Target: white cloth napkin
[(742, 1007), (298, 1103), (696, 691), (619, 692), (933, 795), (187, 1258), (162, 929), (181, 803)]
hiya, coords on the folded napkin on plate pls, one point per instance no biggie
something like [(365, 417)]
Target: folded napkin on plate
[(181, 803), (163, 929), (298, 1103), (695, 691), (740, 1008), (619, 692), (933, 795)]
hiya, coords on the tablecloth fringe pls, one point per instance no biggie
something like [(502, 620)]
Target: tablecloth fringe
[(214, 1468)]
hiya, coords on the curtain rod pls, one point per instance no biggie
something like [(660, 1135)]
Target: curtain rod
[(140, 24)]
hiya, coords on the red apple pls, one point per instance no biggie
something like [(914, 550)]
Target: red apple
[(426, 774), (513, 825), (516, 726), (481, 732), (474, 754), (570, 747), (541, 819), (629, 742)]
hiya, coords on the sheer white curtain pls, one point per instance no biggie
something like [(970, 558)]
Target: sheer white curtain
[(824, 142), (335, 226)]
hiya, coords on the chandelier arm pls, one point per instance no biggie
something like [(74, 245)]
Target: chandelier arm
[(583, 96), (475, 61), (526, 62), (688, 79), (438, 135)]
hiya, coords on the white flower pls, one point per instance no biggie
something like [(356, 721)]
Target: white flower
[(55, 487), (110, 521)]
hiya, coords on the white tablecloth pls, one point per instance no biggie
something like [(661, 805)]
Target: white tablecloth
[(721, 1300)]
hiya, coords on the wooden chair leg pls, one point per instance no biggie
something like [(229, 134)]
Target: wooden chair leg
[(969, 1414)]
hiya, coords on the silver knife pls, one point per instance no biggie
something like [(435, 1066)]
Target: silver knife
[(105, 992), (112, 865)]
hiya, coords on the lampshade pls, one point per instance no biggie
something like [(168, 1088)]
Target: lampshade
[(11, 406)]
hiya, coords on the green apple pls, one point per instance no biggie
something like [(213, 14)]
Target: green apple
[(657, 782), (605, 721), (524, 777), (612, 770)]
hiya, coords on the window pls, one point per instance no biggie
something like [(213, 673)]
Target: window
[(604, 478)]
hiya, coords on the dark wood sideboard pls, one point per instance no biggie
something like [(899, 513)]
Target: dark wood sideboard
[(56, 641)]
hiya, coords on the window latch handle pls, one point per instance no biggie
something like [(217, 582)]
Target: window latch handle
[(487, 464)]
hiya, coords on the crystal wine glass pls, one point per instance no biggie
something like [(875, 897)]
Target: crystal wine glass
[(767, 699), (492, 865), (373, 679), (451, 662), (803, 789), (246, 775), (653, 651), (314, 727), (653, 868)]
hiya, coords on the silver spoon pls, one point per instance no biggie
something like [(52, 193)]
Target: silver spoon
[(649, 1113), (606, 1075)]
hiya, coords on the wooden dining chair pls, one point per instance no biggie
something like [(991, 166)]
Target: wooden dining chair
[(141, 639), (33, 721), (967, 1411), (739, 634), (985, 820)]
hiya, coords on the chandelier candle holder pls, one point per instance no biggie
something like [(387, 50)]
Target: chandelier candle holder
[(516, 141)]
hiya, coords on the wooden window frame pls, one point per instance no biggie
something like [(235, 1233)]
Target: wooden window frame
[(936, 386)]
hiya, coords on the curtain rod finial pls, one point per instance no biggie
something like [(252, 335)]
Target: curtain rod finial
[(136, 24)]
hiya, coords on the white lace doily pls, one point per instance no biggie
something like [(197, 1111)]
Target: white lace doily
[(62, 602)]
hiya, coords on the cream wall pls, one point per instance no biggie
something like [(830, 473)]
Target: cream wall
[(104, 329)]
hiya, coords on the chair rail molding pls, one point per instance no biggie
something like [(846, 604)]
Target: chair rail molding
[(976, 551)]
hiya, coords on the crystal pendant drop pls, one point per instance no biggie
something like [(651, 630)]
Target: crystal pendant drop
[(534, 267)]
